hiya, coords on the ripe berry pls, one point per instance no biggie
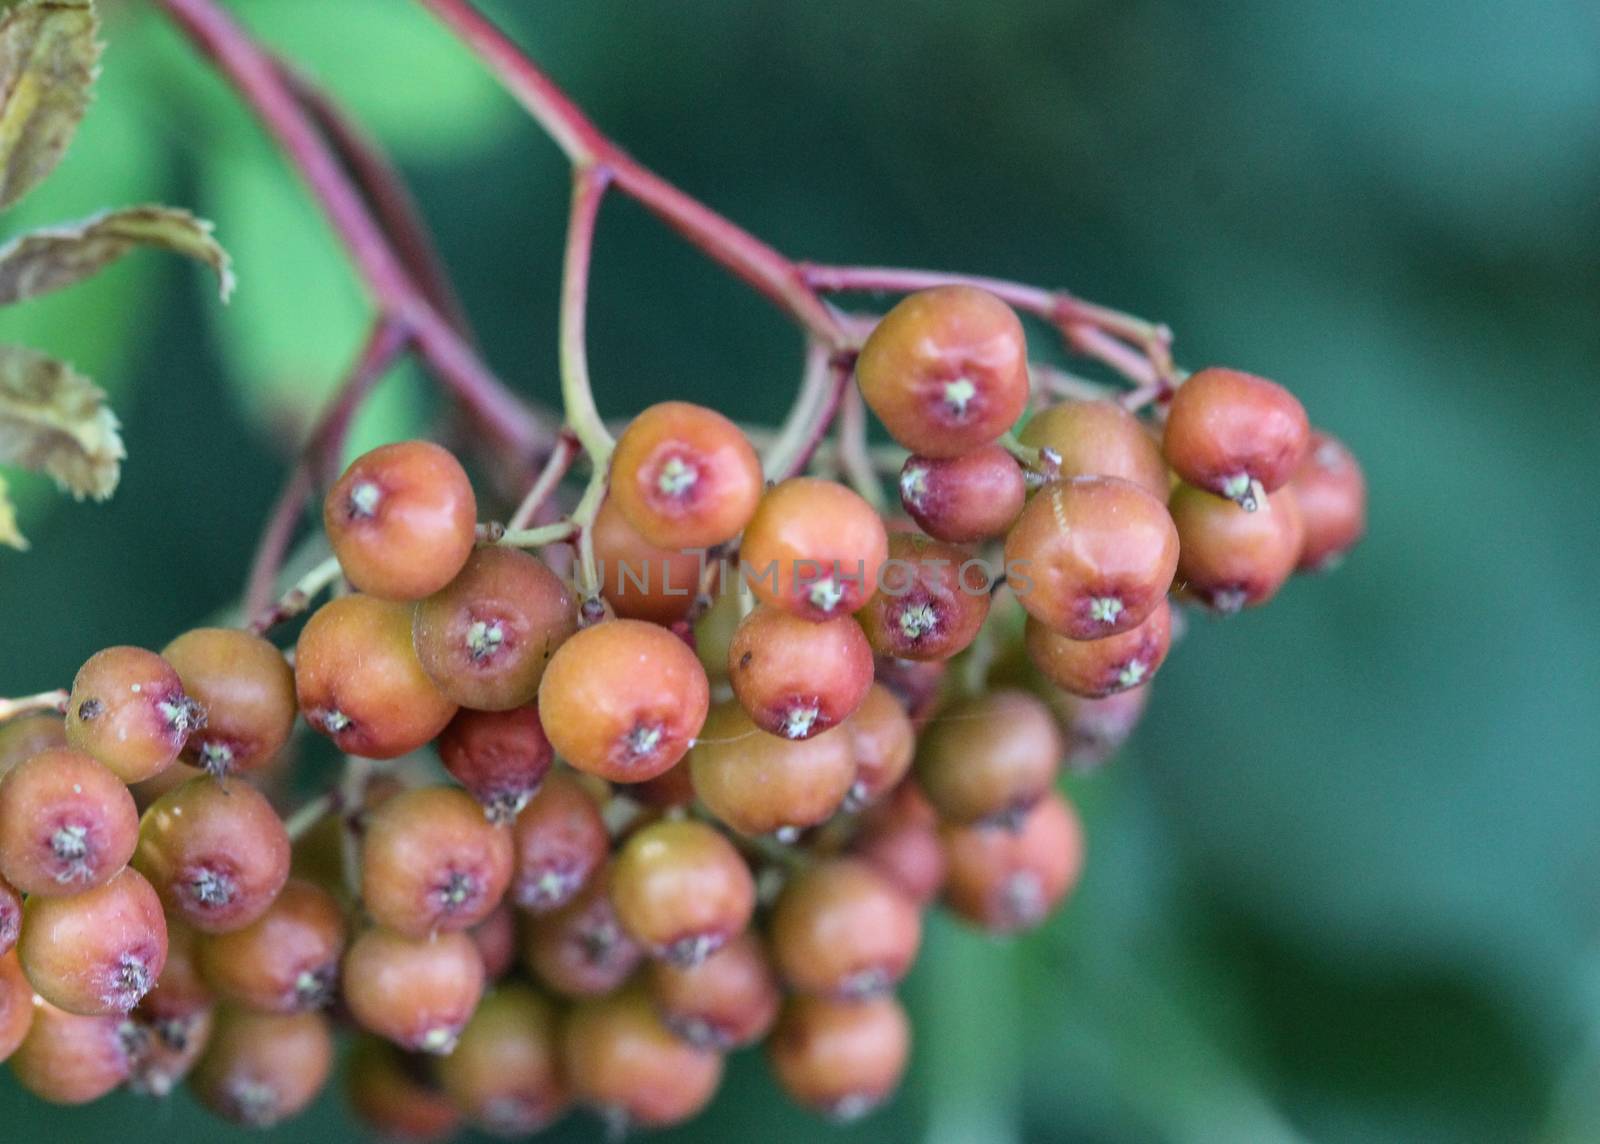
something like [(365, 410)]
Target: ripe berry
[(989, 757), (287, 960), (1009, 879), (66, 823), (97, 952), (401, 520), (906, 851), (558, 841), (620, 1059), (842, 1059), (963, 499), (640, 580), (431, 861), (917, 684), (797, 678), (217, 855), (259, 1069), (840, 929), (504, 1074), (946, 370), (247, 690), (681, 890), (1092, 556), (69, 1059), (418, 994), (395, 1095), (16, 1004), (931, 601), (129, 710), (581, 950), (726, 1002), (360, 683), (485, 638), (26, 737), (813, 548), (883, 740), (685, 476), (181, 994), (1097, 668), (1232, 558), (169, 1053), (10, 916), (672, 788), (623, 700), (758, 783), (496, 939), (1235, 434), (1332, 495), (501, 757), (1097, 439)]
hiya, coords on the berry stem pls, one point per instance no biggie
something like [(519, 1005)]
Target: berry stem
[(822, 383), (297, 599), (44, 701), (555, 468), (854, 457), (353, 785), (577, 394), (1053, 381), (537, 537), (311, 813)]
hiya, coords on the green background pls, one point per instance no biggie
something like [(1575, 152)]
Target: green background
[(1342, 885)]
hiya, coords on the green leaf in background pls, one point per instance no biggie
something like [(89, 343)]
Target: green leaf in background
[(55, 421), (49, 259), (47, 66)]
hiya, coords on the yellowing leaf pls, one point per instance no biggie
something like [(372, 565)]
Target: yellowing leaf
[(8, 521), (47, 66), (53, 257), (55, 421)]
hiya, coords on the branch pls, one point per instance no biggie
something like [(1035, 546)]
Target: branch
[(577, 394), (45, 701)]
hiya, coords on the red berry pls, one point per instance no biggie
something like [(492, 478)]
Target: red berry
[(69, 1059), (360, 682), (97, 952), (685, 476), (672, 788), (287, 960), (217, 855), (402, 520), (971, 497), (640, 580), (623, 700), (842, 1059), (485, 638), (1332, 494), (418, 994), (26, 737), (840, 929), (1232, 558), (1006, 880), (501, 757), (917, 684), (431, 861), (394, 1095), (726, 1002), (1097, 439), (931, 600), (903, 847), (581, 950), (1095, 729), (129, 710), (260, 1069), (1097, 668), (168, 1053), (247, 690), (1092, 556), (681, 890), (758, 783), (16, 1004), (181, 994), (946, 370), (1235, 434), (989, 757), (558, 841), (884, 742), (814, 548), (66, 823), (504, 1074), (496, 939), (10, 916), (797, 678)]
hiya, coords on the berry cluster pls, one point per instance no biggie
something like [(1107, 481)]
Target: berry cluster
[(688, 792)]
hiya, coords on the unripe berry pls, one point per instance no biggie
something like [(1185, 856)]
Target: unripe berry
[(580, 950), (681, 890), (1332, 495), (685, 476), (1235, 434), (360, 683), (16, 1004), (814, 548), (1097, 668), (287, 960), (623, 700), (486, 637), (401, 520), (946, 370), (1097, 439), (758, 783), (260, 1069), (504, 1073), (1092, 556), (394, 1095), (247, 690), (95, 953), (990, 757), (964, 499), (842, 1059), (217, 855), (66, 824), (501, 757), (28, 736), (883, 741), (1004, 879), (726, 1002), (639, 580), (558, 841), (620, 1059), (797, 678), (840, 929), (129, 710), (418, 994), (931, 601), (1232, 558), (431, 861), (69, 1059)]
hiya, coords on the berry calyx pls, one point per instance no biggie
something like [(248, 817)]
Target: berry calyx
[(1097, 668), (932, 598), (97, 952)]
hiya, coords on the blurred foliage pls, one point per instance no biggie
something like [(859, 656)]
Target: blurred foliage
[(1343, 884)]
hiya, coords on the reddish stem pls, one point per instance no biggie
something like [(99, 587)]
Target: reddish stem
[(555, 467)]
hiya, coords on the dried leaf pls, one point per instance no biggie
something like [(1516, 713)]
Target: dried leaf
[(47, 66), (9, 535), (52, 257), (54, 420)]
